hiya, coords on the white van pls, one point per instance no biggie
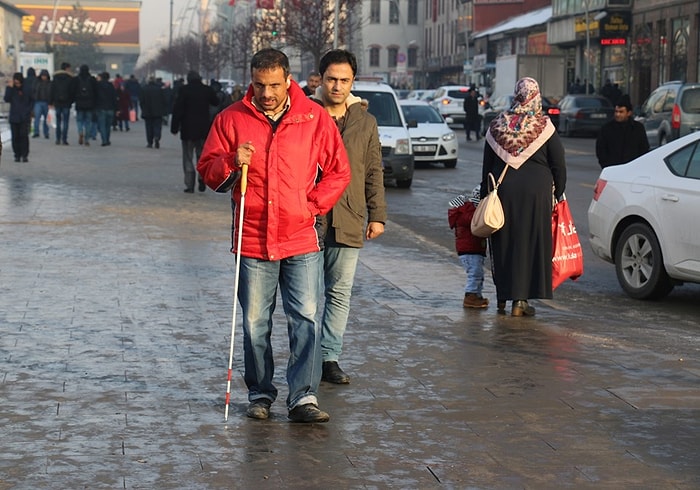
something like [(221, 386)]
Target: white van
[(397, 156)]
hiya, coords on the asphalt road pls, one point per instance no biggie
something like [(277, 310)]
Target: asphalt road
[(673, 321)]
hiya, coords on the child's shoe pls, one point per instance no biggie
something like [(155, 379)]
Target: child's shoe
[(473, 300)]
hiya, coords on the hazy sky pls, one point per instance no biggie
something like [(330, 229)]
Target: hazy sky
[(155, 20)]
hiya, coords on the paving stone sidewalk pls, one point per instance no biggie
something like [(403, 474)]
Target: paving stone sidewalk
[(115, 309)]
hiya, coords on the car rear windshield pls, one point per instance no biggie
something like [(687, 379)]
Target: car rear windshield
[(421, 114), (585, 102), (382, 106), (457, 94), (690, 101)]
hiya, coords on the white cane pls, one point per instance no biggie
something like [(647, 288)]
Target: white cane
[(244, 184)]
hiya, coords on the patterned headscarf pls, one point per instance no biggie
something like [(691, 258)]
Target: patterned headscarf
[(517, 133)]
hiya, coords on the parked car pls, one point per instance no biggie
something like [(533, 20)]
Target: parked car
[(397, 156), (672, 110), (421, 94), (643, 218), (449, 101), (432, 139), (498, 104), (584, 113)]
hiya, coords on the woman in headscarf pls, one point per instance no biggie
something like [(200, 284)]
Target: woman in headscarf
[(21, 103), (524, 138)]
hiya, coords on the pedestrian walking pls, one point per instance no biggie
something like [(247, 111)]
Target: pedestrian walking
[(471, 114), (105, 107), (623, 139), (313, 81), (297, 170), (191, 119), (62, 99), (363, 201), (154, 107), (133, 87), (524, 140), (123, 108), (85, 96), (471, 249), (21, 103), (42, 96)]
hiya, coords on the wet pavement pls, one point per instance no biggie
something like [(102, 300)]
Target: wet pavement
[(115, 309)]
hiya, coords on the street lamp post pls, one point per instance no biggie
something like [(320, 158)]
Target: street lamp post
[(588, 49)]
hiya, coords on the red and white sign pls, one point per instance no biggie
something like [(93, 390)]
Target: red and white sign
[(114, 26)]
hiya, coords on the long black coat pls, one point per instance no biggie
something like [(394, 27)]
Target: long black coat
[(153, 101), (620, 143), (522, 249), (191, 111)]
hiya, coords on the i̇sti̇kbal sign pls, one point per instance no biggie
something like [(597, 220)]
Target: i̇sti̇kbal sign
[(114, 26)]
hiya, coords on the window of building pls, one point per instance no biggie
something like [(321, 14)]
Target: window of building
[(413, 12), (375, 12), (412, 57), (392, 53), (679, 48), (374, 56), (393, 12)]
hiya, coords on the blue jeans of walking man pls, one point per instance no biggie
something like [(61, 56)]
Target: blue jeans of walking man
[(104, 124), (62, 120), (41, 110), (339, 268), (83, 119), (298, 279)]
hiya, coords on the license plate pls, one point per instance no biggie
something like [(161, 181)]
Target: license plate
[(423, 148), (599, 116)]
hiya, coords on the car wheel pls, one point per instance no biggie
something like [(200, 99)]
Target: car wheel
[(404, 184), (450, 163), (639, 264)]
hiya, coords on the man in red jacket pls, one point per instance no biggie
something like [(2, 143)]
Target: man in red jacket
[(297, 170)]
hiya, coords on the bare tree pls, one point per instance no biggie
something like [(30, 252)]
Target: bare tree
[(80, 41)]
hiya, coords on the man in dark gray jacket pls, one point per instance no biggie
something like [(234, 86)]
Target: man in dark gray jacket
[(362, 200)]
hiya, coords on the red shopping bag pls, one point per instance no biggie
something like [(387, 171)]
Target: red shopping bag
[(567, 256)]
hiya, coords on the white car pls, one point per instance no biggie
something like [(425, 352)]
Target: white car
[(449, 101), (644, 218), (432, 139)]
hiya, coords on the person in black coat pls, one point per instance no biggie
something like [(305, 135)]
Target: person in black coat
[(623, 139), (471, 114), (21, 104), (154, 107), (191, 119), (106, 107)]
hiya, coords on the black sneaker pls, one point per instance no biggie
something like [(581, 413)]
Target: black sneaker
[(333, 374), (259, 409), (307, 414)]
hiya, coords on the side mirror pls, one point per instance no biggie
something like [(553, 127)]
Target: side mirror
[(449, 120)]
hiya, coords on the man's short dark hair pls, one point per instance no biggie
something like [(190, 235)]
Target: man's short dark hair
[(65, 65), (338, 56), (269, 59)]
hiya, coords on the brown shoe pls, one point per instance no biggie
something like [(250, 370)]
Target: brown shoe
[(473, 300), (521, 308), (501, 307), (259, 409)]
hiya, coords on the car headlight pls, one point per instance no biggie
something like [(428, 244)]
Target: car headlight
[(448, 136), (403, 147)]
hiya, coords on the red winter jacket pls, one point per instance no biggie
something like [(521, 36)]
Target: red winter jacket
[(460, 220), (283, 196)]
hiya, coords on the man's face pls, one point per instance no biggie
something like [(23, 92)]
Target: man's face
[(622, 114), (313, 82), (270, 88), (337, 82)]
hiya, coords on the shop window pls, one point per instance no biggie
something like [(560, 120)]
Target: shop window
[(679, 49)]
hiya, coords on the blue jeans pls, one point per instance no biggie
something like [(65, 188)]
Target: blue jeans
[(83, 119), (474, 267), (104, 123), (339, 265), (299, 282), (41, 108), (62, 120)]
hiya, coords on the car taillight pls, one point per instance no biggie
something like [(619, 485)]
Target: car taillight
[(676, 117), (598, 190), (580, 115), (445, 101), (553, 111)]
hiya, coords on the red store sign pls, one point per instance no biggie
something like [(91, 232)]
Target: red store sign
[(114, 26)]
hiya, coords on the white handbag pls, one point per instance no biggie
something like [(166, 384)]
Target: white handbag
[(488, 217)]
